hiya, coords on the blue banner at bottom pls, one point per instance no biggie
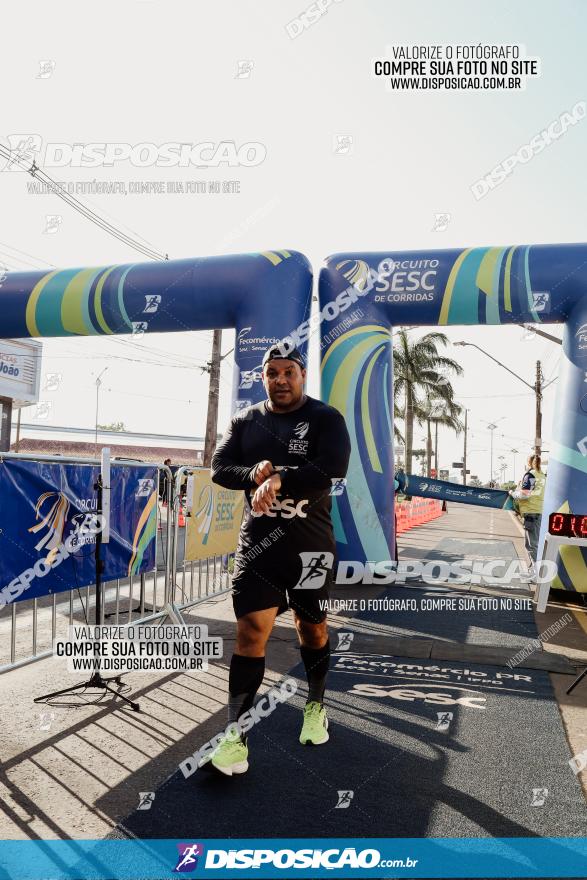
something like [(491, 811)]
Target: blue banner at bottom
[(553, 857)]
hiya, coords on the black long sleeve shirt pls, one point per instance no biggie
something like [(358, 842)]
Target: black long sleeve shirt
[(312, 444)]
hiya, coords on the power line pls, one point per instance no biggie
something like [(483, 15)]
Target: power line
[(12, 248), (74, 203)]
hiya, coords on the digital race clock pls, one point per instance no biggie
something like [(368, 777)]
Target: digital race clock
[(568, 525)]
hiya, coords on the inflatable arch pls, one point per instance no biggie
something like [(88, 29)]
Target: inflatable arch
[(363, 295), (262, 296), (266, 297)]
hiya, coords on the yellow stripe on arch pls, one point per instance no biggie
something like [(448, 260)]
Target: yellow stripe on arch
[(364, 328), (338, 396), (445, 308), (31, 306), (367, 430), (72, 302), (143, 519), (574, 564), (486, 270), (98, 301), (273, 258), (572, 559)]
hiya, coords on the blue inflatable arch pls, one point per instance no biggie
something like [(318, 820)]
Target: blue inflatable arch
[(266, 297), (363, 295), (262, 296)]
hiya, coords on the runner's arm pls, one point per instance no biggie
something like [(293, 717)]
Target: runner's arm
[(331, 461), (226, 470)]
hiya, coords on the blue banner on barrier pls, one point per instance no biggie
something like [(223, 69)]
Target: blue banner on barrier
[(48, 526), (300, 857), (426, 487)]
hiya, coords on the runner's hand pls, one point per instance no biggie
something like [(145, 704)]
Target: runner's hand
[(262, 470), (266, 494)]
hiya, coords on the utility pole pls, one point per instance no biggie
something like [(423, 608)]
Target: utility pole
[(515, 452), (213, 397), (538, 391), (492, 428), (465, 452), (17, 444), (98, 384), (536, 388)]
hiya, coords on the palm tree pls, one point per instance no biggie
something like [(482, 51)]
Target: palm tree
[(438, 410), (420, 372)]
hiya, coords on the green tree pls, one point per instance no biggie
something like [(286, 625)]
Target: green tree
[(113, 426), (420, 375), (434, 411)]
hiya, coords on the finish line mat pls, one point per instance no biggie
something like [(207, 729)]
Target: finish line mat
[(418, 748)]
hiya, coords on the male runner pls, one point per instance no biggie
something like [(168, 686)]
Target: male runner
[(286, 453)]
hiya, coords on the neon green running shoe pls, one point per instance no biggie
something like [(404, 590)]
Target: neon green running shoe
[(230, 756), (315, 727)]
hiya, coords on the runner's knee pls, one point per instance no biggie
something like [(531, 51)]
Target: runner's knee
[(312, 635), (251, 636)]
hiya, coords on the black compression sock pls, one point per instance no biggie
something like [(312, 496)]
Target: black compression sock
[(244, 680), (316, 661)]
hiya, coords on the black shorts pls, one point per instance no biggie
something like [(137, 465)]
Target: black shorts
[(256, 591)]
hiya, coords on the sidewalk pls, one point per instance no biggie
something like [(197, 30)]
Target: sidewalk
[(78, 769)]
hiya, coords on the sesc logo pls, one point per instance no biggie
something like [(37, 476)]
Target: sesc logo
[(410, 695), (406, 280), (249, 377), (286, 508)]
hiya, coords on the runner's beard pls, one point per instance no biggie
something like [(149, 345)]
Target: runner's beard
[(284, 398)]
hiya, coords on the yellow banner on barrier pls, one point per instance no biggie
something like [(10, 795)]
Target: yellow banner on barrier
[(216, 514)]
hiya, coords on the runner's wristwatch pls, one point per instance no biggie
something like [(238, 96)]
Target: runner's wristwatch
[(283, 472)]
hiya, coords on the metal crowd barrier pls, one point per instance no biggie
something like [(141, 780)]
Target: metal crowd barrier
[(193, 581), (28, 628)]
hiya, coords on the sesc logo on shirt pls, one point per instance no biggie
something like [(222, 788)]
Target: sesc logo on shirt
[(286, 508), (298, 445)]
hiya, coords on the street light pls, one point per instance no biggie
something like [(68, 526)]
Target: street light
[(502, 467), (98, 383), (536, 388), (492, 428)]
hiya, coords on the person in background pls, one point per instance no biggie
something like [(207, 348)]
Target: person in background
[(163, 484), (396, 488), (529, 497)]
